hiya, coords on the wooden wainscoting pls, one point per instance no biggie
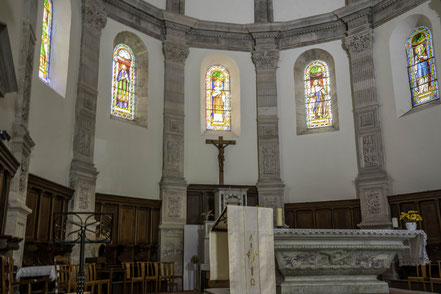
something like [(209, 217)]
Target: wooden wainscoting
[(135, 227), (200, 199), (428, 204), (344, 214), (44, 198)]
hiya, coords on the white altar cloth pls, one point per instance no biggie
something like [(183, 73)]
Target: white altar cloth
[(37, 271)]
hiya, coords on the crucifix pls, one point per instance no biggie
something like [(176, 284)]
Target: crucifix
[(220, 145)]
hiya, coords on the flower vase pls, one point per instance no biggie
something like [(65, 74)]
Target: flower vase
[(411, 226)]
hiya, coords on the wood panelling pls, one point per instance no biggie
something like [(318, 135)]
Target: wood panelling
[(8, 168), (200, 199), (44, 198), (343, 214), (135, 227), (346, 214)]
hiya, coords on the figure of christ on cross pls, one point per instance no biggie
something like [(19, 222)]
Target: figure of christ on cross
[(220, 145)]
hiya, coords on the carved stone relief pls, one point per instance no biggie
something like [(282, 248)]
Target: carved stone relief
[(23, 173), (83, 197), (270, 201), (367, 119), (270, 158), (175, 52), (174, 206), (369, 151), (173, 156), (266, 58), (373, 202), (93, 14), (359, 42), (337, 258), (85, 137)]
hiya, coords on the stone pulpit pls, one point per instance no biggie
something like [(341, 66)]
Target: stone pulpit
[(228, 196)]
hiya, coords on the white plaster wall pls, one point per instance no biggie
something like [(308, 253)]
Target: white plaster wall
[(158, 3), (232, 11), (285, 10), (129, 157), (51, 117), (316, 167), (413, 141), (201, 164), (10, 14)]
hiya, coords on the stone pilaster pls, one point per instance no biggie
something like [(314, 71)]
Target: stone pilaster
[(82, 170), (372, 182), (21, 141), (270, 187), (176, 6), (263, 11), (173, 185)]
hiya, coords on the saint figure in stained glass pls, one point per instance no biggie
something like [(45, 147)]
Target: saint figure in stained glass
[(123, 85), (218, 99), (46, 35), (317, 95), (421, 62)]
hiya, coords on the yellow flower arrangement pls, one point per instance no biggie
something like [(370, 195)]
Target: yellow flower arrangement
[(411, 216)]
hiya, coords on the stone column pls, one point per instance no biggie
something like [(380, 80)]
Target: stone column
[(263, 11), (22, 143), (82, 170), (270, 187), (173, 186), (372, 182)]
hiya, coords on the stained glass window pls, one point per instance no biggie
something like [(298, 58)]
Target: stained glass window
[(123, 84), (46, 36), (317, 95), (421, 67), (218, 98)]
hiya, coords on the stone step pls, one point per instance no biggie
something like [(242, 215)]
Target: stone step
[(402, 291)]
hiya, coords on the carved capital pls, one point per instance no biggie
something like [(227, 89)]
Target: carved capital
[(93, 14), (265, 58), (359, 42), (175, 52)]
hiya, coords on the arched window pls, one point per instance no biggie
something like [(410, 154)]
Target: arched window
[(317, 95), (421, 67), (123, 84), (218, 99), (46, 36)]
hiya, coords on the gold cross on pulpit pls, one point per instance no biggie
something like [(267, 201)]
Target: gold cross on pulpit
[(221, 144)]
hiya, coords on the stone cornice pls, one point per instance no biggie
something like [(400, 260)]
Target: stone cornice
[(310, 30)]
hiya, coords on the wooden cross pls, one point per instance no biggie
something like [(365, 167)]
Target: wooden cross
[(220, 145)]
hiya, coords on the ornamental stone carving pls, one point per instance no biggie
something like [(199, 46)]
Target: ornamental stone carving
[(83, 197), (174, 206), (175, 52), (359, 42), (373, 202), (337, 258), (85, 137), (173, 155), (270, 159), (93, 14), (369, 150), (23, 173), (270, 201), (266, 58)]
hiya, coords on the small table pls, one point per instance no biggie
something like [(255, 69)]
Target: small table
[(37, 271)]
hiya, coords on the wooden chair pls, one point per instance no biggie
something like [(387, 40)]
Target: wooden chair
[(175, 277), (132, 276), (62, 270), (435, 280), (7, 279), (420, 278), (92, 280), (165, 274), (152, 275)]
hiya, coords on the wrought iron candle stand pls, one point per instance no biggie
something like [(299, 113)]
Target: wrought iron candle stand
[(81, 223)]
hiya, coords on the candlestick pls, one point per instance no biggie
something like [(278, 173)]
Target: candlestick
[(395, 224), (279, 214)]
